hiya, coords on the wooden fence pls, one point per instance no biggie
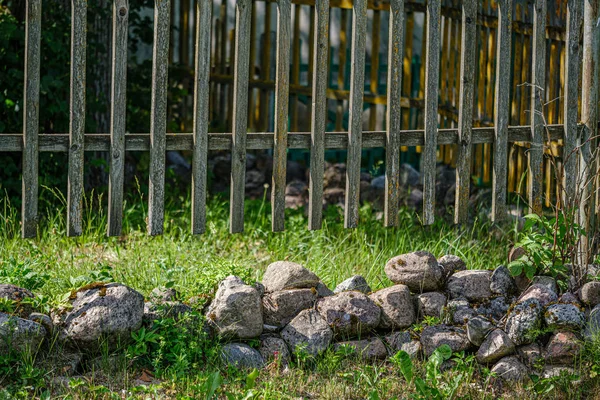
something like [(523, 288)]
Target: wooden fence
[(440, 102)]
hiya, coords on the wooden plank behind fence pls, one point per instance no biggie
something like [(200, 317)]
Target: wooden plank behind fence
[(465, 110), (118, 107), (538, 95), (281, 115), (571, 99), (502, 110), (201, 116), (357, 88), (429, 157), (76, 118), (31, 119), (318, 115), (240, 114), (394, 113), (158, 117)]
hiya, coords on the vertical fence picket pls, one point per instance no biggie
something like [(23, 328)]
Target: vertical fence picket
[(590, 83), (538, 82), (502, 111), (318, 115), (282, 85), (243, 11), (201, 115), (394, 113), (465, 110), (77, 117), (31, 119), (571, 99), (117, 117), (428, 156), (158, 117), (357, 88)]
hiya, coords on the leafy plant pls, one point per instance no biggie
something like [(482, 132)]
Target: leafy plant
[(548, 244), (434, 386)]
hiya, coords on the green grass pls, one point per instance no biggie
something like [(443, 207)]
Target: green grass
[(183, 361), (196, 263)]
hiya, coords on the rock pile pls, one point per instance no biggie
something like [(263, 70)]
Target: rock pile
[(512, 331), (479, 311)]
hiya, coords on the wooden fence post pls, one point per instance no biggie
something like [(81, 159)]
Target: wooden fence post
[(282, 85), (465, 111), (394, 113), (118, 109), (201, 115)]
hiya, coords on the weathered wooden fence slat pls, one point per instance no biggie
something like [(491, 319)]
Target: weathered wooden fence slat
[(76, 118), (243, 9), (502, 110), (590, 83), (31, 119), (318, 115), (281, 115), (201, 115), (429, 155), (465, 111), (571, 100), (357, 88), (538, 96), (158, 117), (59, 142), (394, 113), (118, 108)]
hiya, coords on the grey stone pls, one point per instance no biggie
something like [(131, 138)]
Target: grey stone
[(405, 342), (592, 327), (522, 320), (431, 304), (366, 349), (433, 337), (17, 294), (323, 290), (502, 282), (564, 316), (463, 315), (477, 329), (236, 311), (20, 334), (409, 175), (357, 282), (282, 306), (241, 355), (104, 313), (495, 346), (43, 320), (165, 309), (494, 309), (530, 354), (163, 294), (273, 348), (590, 293), (349, 313), (270, 328), (553, 371), (547, 281), (540, 292), (309, 330), (569, 298), (397, 308), (451, 264), (562, 348), (473, 284), (419, 271), (260, 288), (282, 275), (511, 369)]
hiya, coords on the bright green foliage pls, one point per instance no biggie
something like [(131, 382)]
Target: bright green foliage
[(549, 244)]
